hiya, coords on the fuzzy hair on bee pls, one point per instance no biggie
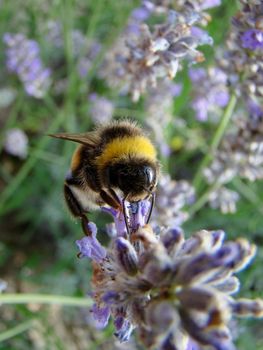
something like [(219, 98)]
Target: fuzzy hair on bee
[(114, 163)]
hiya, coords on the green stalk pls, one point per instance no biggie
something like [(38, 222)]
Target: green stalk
[(44, 299), (10, 333), (28, 165), (216, 141), (203, 199), (248, 193)]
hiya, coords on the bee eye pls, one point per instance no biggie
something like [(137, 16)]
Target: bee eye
[(149, 174)]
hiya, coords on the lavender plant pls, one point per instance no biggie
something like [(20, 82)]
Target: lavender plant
[(240, 153), (148, 53), (155, 283), (23, 58), (242, 61), (174, 291), (210, 92)]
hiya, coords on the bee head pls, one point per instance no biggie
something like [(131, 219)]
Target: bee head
[(136, 179)]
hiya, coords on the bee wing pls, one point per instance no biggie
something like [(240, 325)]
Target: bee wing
[(87, 139)]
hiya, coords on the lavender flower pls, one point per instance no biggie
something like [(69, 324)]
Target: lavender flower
[(85, 51), (90, 247), (198, 6), (154, 53), (171, 197), (252, 39), (101, 109), (242, 61), (158, 108), (176, 292), (210, 93), (24, 60), (224, 199), (16, 143), (241, 152)]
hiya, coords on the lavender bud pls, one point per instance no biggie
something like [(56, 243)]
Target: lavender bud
[(228, 285), (205, 300), (252, 39), (127, 256), (161, 315), (173, 240), (101, 315), (246, 307), (90, 247), (123, 329)]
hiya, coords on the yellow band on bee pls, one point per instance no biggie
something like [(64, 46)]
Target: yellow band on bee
[(138, 146)]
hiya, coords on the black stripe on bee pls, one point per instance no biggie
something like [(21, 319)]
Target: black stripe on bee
[(72, 203), (72, 180), (118, 130)]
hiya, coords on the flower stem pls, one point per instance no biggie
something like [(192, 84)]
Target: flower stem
[(216, 141), (30, 162), (10, 333), (45, 299), (203, 199), (248, 193)]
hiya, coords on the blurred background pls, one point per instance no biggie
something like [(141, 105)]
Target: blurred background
[(56, 76)]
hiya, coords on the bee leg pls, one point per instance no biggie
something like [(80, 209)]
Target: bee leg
[(111, 200), (115, 197), (76, 209)]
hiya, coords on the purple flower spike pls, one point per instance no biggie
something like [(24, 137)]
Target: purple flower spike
[(210, 91), (252, 39), (101, 315), (90, 247), (23, 59)]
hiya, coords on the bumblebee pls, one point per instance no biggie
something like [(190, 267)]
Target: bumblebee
[(113, 164)]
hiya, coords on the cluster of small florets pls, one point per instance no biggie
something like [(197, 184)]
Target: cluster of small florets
[(23, 58), (198, 6), (84, 51), (159, 107), (171, 197), (240, 155), (101, 109), (147, 53), (176, 292), (242, 60), (209, 92)]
